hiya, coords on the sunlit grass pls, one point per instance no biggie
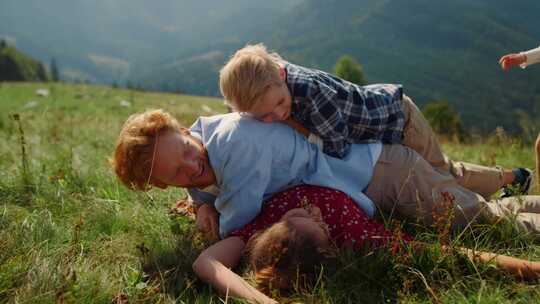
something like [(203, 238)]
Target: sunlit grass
[(69, 233)]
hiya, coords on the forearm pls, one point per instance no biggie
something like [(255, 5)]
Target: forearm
[(213, 266), (227, 282), (518, 267)]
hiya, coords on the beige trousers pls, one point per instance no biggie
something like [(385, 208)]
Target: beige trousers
[(419, 136), (406, 185)]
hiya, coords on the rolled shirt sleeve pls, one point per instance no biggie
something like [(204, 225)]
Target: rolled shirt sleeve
[(533, 56), (199, 197)]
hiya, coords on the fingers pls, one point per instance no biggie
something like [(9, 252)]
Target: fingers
[(214, 225), (504, 62), (208, 222), (201, 224), (512, 60)]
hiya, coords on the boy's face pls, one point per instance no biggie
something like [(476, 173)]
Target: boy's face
[(181, 161), (275, 104)]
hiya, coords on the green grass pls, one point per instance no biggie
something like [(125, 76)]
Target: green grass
[(70, 233)]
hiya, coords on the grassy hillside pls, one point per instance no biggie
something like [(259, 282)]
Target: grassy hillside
[(137, 32), (16, 66), (438, 49), (69, 233)]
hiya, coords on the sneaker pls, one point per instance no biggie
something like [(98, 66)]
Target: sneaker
[(521, 184)]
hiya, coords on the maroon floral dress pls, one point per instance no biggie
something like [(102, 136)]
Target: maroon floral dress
[(348, 225)]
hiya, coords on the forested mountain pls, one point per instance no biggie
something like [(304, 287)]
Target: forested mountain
[(104, 40), (436, 49)]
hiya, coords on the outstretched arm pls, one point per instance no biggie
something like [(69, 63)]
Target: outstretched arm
[(509, 61), (522, 59), (523, 269), (213, 266)]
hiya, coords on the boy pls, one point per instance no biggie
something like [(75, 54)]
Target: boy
[(334, 113)]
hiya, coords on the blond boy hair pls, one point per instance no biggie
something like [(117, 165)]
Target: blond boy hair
[(133, 156), (246, 77)]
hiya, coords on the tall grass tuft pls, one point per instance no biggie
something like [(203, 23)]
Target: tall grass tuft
[(26, 178)]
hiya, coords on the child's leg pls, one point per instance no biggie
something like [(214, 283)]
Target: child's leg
[(419, 136), (480, 179), (524, 210), (405, 184)]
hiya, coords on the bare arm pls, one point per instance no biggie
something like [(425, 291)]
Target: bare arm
[(523, 269), (522, 59), (213, 266)]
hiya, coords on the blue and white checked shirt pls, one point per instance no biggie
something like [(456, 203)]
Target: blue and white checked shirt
[(342, 113)]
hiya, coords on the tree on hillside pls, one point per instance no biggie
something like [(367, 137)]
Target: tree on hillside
[(55, 74), (349, 69), (41, 73), (444, 120), (3, 44)]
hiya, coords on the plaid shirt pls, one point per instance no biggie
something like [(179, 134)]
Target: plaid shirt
[(342, 113)]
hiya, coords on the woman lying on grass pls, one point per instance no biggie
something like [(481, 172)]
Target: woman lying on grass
[(307, 223)]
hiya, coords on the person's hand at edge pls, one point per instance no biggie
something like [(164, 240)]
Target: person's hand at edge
[(512, 60)]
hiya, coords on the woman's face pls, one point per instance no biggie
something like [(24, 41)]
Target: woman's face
[(309, 223)]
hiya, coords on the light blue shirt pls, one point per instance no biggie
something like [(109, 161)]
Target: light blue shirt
[(253, 160)]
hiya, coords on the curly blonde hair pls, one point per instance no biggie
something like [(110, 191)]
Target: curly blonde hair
[(246, 77), (133, 156)]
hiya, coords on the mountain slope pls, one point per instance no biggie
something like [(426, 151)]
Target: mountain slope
[(437, 49), (16, 66)]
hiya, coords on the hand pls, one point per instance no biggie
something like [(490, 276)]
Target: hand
[(207, 221), (183, 207), (512, 60)]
